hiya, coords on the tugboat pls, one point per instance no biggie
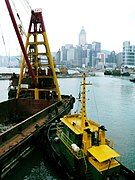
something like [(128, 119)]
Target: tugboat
[(81, 149)]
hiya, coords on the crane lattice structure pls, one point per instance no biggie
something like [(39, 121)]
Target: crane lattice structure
[(39, 54)]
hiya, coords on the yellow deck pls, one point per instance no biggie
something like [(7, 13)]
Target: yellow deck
[(74, 122), (103, 152)]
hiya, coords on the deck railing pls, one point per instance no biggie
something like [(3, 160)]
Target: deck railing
[(68, 143)]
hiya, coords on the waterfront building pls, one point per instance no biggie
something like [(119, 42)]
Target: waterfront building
[(64, 50), (128, 54), (70, 56), (82, 37), (57, 57), (113, 57), (100, 61), (78, 55), (119, 59), (82, 55), (110, 60), (87, 55), (96, 48)]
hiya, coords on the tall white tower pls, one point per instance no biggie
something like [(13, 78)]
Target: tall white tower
[(82, 37)]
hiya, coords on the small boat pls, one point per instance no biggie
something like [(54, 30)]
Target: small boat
[(108, 72), (125, 74), (132, 80), (81, 149)]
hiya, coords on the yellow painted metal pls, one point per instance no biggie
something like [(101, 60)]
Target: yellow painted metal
[(20, 78), (106, 165), (86, 142), (23, 65), (103, 152), (102, 137), (85, 124), (83, 101), (35, 39), (51, 63), (36, 94), (73, 122)]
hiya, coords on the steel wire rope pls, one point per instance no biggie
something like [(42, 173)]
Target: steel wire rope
[(24, 5), (79, 100), (28, 4), (27, 8), (6, 53), (21, 27), (95, 104), (3, 39), (2, 36), (4, 43)]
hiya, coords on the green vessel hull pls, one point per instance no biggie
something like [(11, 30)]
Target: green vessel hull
[(72, 168)]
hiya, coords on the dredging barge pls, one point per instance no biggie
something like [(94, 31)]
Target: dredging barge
[(34, 96)]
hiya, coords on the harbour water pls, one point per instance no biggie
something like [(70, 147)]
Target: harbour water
[(110, 102)]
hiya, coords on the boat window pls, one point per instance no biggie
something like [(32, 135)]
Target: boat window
[(94, 137)]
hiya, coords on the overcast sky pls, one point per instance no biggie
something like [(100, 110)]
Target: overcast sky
[(107, 21)]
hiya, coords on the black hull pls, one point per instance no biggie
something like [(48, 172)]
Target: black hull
[(15, 154), (132, 80), (78, 171), (55, 157)]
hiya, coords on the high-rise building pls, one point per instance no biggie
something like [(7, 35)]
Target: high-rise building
[(128, 54), (83, 55), (112, 57), (119, 59), (82, 37), (78, 55), (96, 47), (63, 55), (58, 57), (70, 56)]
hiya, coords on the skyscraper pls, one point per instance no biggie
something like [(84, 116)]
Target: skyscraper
[(96, 47), (82, 37), (128, 54)]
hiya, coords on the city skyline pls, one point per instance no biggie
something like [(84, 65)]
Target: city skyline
[(110, 23)]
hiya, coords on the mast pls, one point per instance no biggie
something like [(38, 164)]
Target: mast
[(84, 120), (83, 103)]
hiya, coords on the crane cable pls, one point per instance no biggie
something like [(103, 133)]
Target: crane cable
[(20, 26), (28, 4), (3, 40), (95, 104)]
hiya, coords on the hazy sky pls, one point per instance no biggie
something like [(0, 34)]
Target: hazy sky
[(107, 21)]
